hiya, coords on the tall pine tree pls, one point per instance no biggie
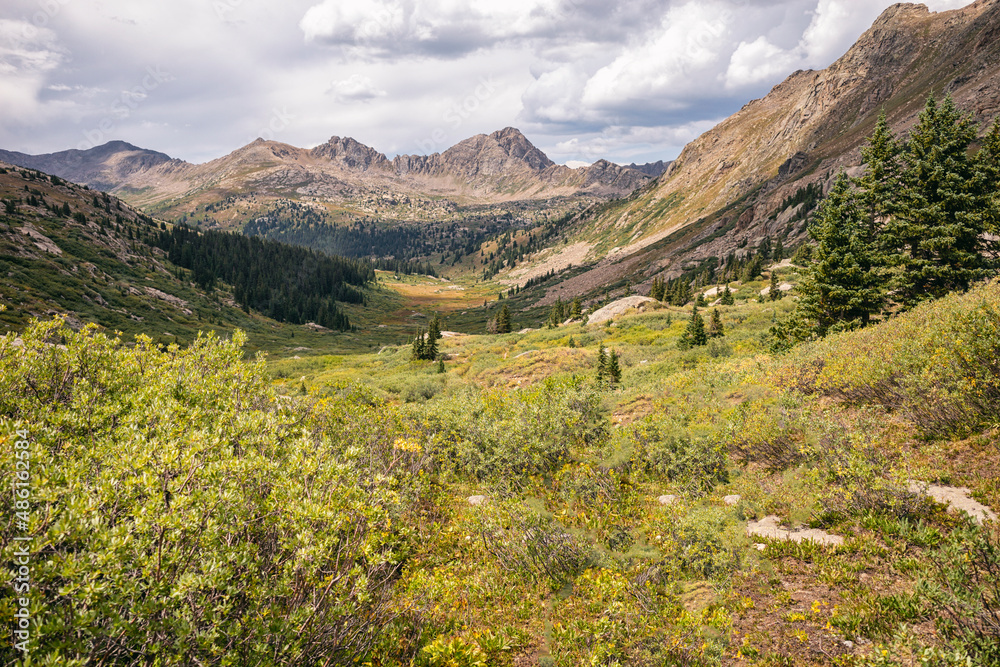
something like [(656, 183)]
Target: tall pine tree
[(843, 283), (933, 237)]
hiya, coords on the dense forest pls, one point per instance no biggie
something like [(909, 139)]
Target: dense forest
[(286, 283)]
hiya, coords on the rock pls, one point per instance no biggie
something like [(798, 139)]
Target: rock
[(848, 643), (475, 501), (784, 287), (957, 497), (769, 527), (759, 547), (731, 500), (616, 308), (667, 499)]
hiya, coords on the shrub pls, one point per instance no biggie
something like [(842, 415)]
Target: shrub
[(536, 547), (765, 434), (964, 589), (694, 461), (182, 513)]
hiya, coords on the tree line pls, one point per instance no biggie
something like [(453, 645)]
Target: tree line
[(918, 224), (286, 283)]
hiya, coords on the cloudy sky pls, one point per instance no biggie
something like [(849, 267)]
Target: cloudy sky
[(627, 80)]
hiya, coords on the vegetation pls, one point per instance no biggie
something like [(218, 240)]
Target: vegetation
[(286, 283)]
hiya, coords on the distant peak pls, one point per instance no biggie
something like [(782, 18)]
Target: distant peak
[(515, 144)]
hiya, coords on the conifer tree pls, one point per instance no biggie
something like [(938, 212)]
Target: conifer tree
[(417, 349), (715, 328), (933, 237), (602, 365), (773, 292), (727, 297), (503, 320), (576, 311), (843, 283), (434, 328), (879, 185), (694, 335), (614, 369), (988, 168)]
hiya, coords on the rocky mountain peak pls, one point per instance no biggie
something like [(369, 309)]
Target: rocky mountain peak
[(351, 154), (517, 146)]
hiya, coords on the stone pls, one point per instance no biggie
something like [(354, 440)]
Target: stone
[(667, 499), (957, 497), (731, 500), (477, 500), (769, 527)]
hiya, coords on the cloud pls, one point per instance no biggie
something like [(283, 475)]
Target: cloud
[(27, 55), (357, 88), (584, 79), (433, 27)]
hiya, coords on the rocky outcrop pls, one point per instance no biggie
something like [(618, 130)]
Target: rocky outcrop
[(814, 123)]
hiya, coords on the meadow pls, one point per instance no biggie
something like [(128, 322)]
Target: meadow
[(193, 505)]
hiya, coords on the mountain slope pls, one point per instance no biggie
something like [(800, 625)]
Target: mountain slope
[(484, 169), (87, 255), (726, 190)]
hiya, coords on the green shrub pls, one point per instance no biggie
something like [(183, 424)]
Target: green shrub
[(182, 513), (666, 451)]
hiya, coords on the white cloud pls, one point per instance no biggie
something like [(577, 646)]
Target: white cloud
[(356, 88), (27, 55), (584, 79)]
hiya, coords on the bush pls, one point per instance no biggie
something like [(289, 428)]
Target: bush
[(181, 512), (964, 590), (765, 434), (663, 450), (501, 437), (535, 547)]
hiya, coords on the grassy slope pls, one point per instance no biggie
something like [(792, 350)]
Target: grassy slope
[(804, 440)]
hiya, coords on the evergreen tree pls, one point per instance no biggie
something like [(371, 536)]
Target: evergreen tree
[(779, 251), (727, 297), (752, 269), (576, 311), (773, 292), (842, 284), (700, 301), (503, 320), (933, 237), (879, 185), (988, 168), (715, 328), (602, 365), (694, 335), (417, 349), (434, 328), (614, 369), (430, 351), (440, 366)]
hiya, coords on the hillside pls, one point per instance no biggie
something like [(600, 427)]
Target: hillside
[(745, 180), (717, 506), (88, 256)]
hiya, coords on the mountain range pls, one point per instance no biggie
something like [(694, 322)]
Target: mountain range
[(750, 180), (484, 169), (736, 184)]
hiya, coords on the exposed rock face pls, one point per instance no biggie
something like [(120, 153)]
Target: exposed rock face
[(814, 123), (652, 169), (351, 154), (501, 166)]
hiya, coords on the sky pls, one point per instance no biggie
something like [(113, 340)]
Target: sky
[(625, 80)]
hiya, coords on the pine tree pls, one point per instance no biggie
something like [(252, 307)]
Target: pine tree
[(417, 349), (933, 237), (694, 335), (715, 328), (779, 251), (576, 311), (988, 171), (727, 297), (614, 369), (773, 292), (602, 365), (503, 320), (434, 328), (430, 351), (843, 282), (879, 186)]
